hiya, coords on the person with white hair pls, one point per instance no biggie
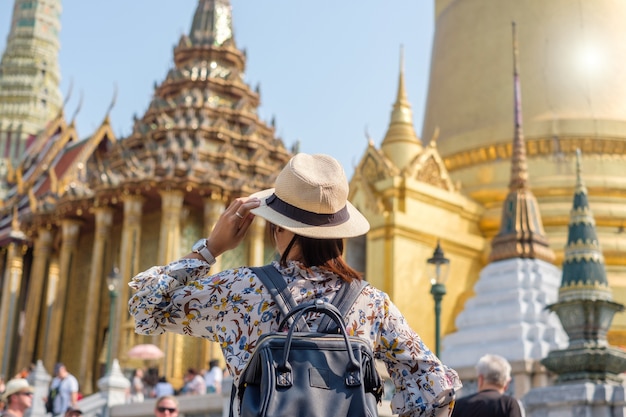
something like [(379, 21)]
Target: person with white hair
[(494, 376), (309, 217)]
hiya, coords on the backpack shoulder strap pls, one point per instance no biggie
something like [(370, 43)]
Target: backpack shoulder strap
[(276, 285), (344, 299)]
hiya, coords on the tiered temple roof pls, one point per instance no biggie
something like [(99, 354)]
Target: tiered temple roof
[(201, 133)]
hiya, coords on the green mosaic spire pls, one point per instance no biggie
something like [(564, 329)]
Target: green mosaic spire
[(585, 308), (29, 74), (584, 274)]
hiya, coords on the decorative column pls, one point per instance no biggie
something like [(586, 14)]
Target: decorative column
[(43, 333), (69, 231), (256, 238), (34, 300), (169, 250), (104, 220), (129, 263), (9, 306), (169, 241)]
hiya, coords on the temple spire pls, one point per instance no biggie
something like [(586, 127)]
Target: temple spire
[(521, 232), (585, 306), (30, 94), (519, 168), (212, 23), (401, 144), (584, 274), (401, 97)]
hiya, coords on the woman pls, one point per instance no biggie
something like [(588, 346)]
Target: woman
[(309, 217), (137, 386)]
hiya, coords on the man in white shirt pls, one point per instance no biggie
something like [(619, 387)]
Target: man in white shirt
[(213, 377), (65, 387)]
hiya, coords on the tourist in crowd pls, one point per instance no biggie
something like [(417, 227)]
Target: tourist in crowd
[(73, 412), (162, 388), (213, 377), (63, 389), (18, 396), (137, 386), (494, 376), (166, 406), (194, 383)]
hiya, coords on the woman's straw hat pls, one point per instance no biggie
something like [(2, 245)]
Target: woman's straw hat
[(310, 199)]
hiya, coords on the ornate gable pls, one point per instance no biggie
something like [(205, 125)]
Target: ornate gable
[(428, 167), (372, 168)]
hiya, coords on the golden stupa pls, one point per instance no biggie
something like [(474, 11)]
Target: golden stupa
[(574, 96)]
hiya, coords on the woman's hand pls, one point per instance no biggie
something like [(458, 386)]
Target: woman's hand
[(232, 225)]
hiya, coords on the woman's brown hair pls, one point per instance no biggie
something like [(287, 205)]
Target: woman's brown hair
[(323, 253)]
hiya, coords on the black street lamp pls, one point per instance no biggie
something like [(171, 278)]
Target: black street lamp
[(438, 267), (112, 281)]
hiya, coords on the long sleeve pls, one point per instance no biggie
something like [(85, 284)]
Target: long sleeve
[(231, 308), (424, 385), (152, 306)]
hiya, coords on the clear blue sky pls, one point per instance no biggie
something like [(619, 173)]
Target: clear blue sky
[(328, 69)]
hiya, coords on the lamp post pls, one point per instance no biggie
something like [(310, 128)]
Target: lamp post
[(112, 281), (438, 267)]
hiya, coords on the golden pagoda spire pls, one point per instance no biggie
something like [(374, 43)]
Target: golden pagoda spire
[(519, 168), (401, 97), (29, 74), (521, 232), (401, 144), (212, 23)]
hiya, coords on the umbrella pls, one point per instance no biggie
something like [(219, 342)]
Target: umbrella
[(145, 351)]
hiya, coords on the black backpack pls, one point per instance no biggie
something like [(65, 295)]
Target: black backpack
[(309, 374), (52, 394)]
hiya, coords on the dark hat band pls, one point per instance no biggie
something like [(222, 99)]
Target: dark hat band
[(307, 217)]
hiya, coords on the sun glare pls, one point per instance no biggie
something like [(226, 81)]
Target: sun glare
[(590, 58)]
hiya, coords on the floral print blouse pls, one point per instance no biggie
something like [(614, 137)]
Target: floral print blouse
[(233, 308)]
